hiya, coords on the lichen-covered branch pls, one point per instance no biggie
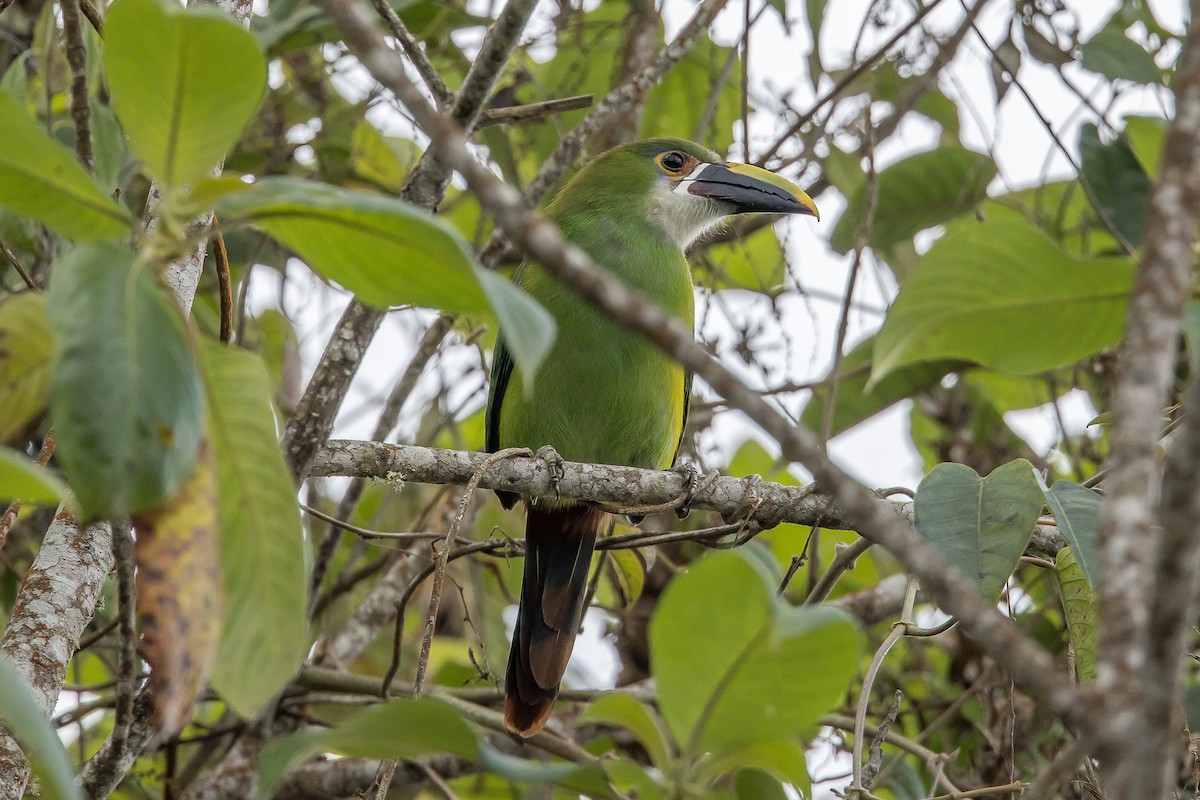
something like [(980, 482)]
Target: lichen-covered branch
[(758, 503), (1148, 586), (56, 602)]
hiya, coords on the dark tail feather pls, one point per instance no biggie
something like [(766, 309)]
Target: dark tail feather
[(558, 552)]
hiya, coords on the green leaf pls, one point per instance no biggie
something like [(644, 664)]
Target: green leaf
[(629, 571), (29, 725), (385, 161), (755, 784), (855, 403), (946, 182), (405, 729), (529, 329), (755, 262), (719, 687), (22, 479), (1001, 294), (1115, 56), (1080, 605), (1146, 136), (25, 357), (41, 179), (390, 253), (981, 526), (588, 779), (263, 555), (782, 758), (385, 251), (183, 82), (619, 708), (1118, 182), (126, 398), (1077, 511)]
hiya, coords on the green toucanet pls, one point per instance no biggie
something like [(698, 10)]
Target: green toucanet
[(604, 394)]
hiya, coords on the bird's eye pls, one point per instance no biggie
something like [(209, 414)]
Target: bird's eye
[(673, 161)]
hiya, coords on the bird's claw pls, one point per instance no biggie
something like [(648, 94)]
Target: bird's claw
[(554, 467), (691, 477)]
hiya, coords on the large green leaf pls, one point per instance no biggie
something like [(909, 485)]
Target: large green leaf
[(263, 555), (22, 479), (29, 725), (917, 193), (390, 253), (720, 684), (1080, 606), (183, 82), (619, 708), (41, 179), (855, 403), (1002, 294), (981, 526), (25, 357), (126, 398), (1118, 182), (406, 729), (1117, 57), (1077, 511)]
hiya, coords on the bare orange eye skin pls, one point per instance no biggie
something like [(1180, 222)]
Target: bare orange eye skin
[(672, 161)]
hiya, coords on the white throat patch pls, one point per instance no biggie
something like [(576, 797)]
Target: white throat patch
[(683, 216)]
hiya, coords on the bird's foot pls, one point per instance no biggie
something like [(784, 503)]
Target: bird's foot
[(691, 478), (554, 466)]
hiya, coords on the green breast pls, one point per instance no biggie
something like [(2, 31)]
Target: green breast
[(605, 395)]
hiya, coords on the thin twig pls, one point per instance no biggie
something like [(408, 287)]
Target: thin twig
[(16, 262), (127, 660), (93, 15), (532, 111), (848, 78), (81, 110), (224, 284), (366, 533), (862, 237), (412, 49)]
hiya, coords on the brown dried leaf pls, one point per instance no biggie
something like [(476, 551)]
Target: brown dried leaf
[(179, 602)]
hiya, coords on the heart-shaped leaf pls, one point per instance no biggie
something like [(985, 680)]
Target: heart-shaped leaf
[(980, 525)]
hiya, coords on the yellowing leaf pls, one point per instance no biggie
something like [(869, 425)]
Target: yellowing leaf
[(179, 593), (25, 349)]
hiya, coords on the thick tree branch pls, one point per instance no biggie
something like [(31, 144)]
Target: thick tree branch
[(1148, 581), (756, 502), (1030, 664), (55, 604)]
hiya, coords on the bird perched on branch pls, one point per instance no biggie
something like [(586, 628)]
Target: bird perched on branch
[(604, 394)]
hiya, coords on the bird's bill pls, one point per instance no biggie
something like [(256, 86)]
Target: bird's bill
[(748, 188)]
